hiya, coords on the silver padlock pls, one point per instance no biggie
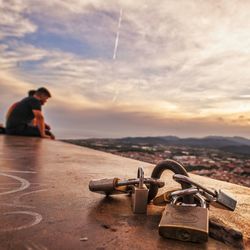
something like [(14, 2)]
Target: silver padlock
[(217, 196), (140, 195), (185, 222)]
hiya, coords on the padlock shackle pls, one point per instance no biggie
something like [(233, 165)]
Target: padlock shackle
[(197, 196), (140, 175), (183, 192), (184, 179), (168, 164)]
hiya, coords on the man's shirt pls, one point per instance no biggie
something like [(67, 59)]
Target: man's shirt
[(22, 114)]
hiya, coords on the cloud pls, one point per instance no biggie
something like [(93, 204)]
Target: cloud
[(13, 23), (11, 89), (14, 54)]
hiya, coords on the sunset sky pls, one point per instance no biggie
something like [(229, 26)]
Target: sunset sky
[(130, 68)]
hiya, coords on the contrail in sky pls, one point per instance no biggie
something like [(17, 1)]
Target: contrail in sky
[(115, 51), (117, 35)]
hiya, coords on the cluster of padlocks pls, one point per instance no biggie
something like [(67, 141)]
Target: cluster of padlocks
[(186, 215)]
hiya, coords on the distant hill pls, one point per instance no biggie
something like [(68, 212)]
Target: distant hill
[(218, 141), (235, 144)]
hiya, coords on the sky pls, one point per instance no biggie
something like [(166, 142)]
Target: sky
[(130, 68)]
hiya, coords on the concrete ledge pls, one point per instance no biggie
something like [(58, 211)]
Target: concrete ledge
[(45, 202)]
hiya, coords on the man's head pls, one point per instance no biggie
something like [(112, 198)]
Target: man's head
[(42, 94)]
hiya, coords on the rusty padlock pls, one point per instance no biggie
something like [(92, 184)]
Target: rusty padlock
[(185, 222)]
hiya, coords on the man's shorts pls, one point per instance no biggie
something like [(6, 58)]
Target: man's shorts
[(2, 130), (26, 131)]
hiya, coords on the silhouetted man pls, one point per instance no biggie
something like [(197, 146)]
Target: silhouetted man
[(19, 121)]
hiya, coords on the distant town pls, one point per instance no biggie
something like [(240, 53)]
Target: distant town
[(206, 161)]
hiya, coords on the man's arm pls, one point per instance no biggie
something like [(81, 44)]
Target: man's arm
[(47, 126), (10, 110), (40, 123)]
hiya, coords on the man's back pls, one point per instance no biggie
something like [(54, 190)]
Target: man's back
[(22, 113)]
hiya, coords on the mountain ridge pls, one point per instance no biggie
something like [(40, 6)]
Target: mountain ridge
[(235, 140), (234, 144)]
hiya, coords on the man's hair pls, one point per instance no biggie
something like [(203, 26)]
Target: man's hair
[(43, 91), (31, 92)]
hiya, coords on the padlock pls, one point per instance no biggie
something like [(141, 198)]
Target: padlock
[(166, 197), (185, 222), (140, 195), (217, 196), (106, 186), (163, 199), (225, 200)]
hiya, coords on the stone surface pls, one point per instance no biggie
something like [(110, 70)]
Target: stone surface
[(45, 202)]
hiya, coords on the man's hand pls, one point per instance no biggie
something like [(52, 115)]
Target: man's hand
[(46, 137), (52, 137)]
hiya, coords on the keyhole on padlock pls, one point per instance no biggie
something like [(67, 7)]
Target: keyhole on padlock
[(185, 236)]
